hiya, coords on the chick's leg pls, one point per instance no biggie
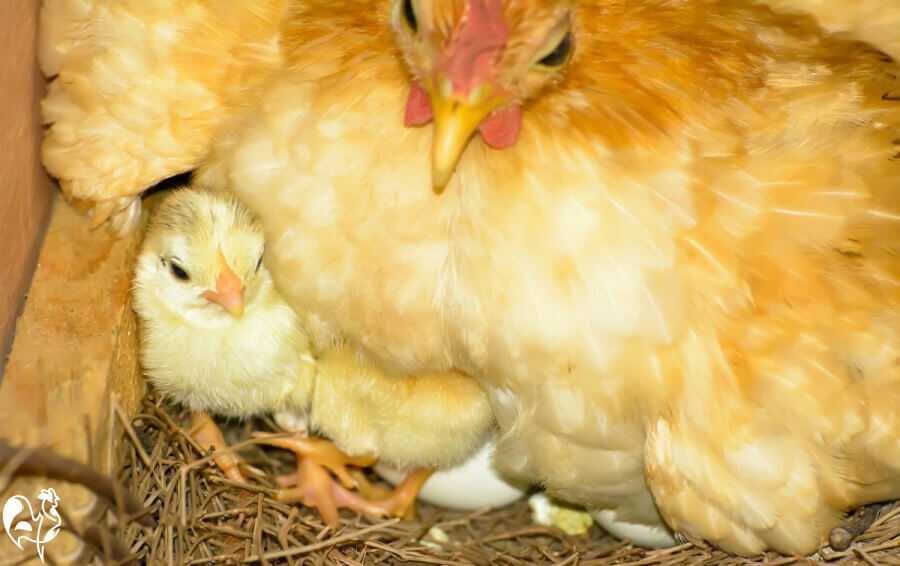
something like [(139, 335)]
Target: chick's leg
[(422, 421), (207, 434), (401, 500)]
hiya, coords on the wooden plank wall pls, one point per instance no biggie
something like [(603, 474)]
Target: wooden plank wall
[(25, 190), (74, 351)]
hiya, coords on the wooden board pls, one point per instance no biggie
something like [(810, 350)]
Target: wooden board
[(25, 189), (74, 354)]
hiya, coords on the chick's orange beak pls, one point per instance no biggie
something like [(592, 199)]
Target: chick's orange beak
[(229, 291), (455, 120)]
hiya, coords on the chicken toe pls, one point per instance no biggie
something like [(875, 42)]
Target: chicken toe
[(401, 501), (324, 452), (316, 488), (313, 486), (207, 434)]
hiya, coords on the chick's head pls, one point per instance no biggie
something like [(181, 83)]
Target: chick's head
[(201, 260), (475, 63)]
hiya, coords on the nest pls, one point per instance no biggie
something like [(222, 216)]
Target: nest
[(203, 518), (193, 515)]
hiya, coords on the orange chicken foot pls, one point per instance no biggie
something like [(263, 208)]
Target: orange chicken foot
[(313, 486)]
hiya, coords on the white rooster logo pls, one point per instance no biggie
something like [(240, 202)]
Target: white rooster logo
[(30, 527)]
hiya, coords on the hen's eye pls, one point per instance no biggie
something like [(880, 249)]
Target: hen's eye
[(178, 272), (559, 54), (409, 15)]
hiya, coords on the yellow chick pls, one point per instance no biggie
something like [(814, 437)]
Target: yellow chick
[(215, 333)]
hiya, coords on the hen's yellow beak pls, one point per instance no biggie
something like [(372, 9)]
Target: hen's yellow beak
[(229, 290), (455, 120)]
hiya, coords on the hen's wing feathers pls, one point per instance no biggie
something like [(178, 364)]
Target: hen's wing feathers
[(140, 86)]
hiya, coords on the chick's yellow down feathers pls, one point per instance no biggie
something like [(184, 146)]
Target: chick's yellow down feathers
[(430, 420), (229, 346), (679, 285)]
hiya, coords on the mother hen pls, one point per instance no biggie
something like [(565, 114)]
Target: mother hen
[(679, 280), (669, 253)]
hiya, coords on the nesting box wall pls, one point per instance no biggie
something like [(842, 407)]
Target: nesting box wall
[(72, 355), (25, 190)]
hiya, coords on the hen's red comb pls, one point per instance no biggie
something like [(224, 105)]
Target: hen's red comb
[(469, 59)]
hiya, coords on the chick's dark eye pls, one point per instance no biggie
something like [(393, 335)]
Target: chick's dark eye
[(258, 264), (559, 54), (178, 272), (409, 15)]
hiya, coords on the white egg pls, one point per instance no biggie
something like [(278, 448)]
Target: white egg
[(646, 536), (471, 485)]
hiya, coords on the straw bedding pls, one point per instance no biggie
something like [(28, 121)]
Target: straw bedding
[(193, 515)]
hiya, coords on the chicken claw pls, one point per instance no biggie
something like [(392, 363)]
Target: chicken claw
[(314, 487), (122, 213), (207, 434), (128, 220), (367, 489), (400, 501)]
